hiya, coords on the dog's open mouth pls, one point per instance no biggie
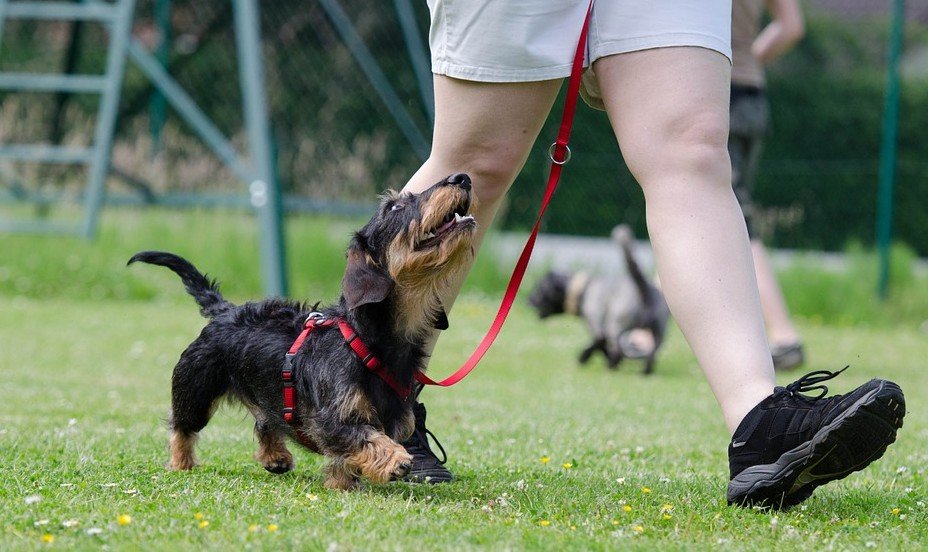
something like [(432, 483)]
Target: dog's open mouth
[(455, 220)]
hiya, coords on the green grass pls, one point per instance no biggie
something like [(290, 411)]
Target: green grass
[(221, 243), (85, 391)]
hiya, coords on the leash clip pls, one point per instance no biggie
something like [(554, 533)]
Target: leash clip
[(553, 149), (315, 318)]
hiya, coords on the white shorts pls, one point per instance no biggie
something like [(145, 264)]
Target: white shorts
[(535, 40)]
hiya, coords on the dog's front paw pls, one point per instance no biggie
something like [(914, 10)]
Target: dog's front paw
[(339, 477), (401, 470), (382, 459), (281, 464)]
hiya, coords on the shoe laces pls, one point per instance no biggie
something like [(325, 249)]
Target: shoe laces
[(810, 382), (422, 435)]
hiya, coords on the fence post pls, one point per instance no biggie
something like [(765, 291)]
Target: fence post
[(264, 189), (888, 148), (157, 105)]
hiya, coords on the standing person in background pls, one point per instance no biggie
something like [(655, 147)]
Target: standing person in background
[(662, 72), (753, 48)]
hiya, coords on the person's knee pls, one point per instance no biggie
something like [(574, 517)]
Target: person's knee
[(688, 145)]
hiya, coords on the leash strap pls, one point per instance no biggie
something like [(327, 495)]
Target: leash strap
[(560, 154)]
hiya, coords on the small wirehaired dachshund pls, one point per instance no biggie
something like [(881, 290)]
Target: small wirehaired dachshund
[(353, 410)]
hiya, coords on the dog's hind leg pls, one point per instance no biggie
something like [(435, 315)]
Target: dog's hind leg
[(196, 388), (183, 456), (598, 344), (272, 448), (649, 365), (613, 359)]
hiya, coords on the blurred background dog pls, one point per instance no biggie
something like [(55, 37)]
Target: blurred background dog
[(626, 313)]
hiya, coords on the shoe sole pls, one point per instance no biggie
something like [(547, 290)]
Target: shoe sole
[(833, 453), (433, 476)]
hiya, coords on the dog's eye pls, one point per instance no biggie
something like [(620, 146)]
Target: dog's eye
[(396, 206)]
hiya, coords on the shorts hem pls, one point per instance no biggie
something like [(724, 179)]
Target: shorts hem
[(671, 40), (451, 69), (489, 74)]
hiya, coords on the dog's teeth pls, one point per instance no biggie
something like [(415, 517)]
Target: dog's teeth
[(457, 217), (429, 235)]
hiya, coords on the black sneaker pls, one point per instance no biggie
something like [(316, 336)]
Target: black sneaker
[(426, 467), (789, 444)]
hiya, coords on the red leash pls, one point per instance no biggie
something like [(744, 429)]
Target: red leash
[(560, 154)]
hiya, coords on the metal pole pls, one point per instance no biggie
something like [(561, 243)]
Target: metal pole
[(3, 4), (157, 107), (265, 193), (375, 76), (888, 149), (417, 55), (187, 109), (120, 30)]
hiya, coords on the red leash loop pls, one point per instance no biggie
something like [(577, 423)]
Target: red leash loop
[(560, 154)]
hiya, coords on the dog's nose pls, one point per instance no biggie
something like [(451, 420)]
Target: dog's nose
[(459, 179)]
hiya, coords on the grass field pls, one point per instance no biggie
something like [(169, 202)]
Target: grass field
[(548, 455)]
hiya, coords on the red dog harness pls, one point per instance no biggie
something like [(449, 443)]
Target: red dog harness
[(316, 321)]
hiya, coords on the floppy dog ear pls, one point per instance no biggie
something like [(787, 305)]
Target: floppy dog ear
[(364, 282)]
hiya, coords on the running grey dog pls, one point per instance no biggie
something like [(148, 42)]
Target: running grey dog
[(613, 307)]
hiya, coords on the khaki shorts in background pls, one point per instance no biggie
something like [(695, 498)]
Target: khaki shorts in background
[(535, 40)]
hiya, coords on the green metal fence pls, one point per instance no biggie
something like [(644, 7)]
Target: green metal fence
[(349, 96)]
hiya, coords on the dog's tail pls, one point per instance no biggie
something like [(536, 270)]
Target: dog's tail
[(205, 291), (622, 235)]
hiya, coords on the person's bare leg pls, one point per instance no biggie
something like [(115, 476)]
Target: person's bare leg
[(780, 329), (669, 109), (487, 131)]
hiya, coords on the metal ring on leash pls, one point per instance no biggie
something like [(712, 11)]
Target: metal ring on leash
[(315, 316), (551, 151)]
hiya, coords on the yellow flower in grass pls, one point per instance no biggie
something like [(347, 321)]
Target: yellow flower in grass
[(638, 529), (666, 507), (896, 511), (272, 527), (203, 524), (646, 490), (124, 519), (667, 517), (48, 539), (253, 527), (567, 465), (544, 523), (198, 515), (544, 459), (627, 508)]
